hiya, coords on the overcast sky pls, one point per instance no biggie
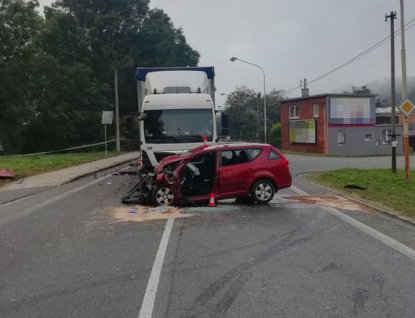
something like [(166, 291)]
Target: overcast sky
[(291, 40)]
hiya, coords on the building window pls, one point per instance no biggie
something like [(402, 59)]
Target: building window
[(294, 111), (341, 137), (316, 109), (387, 136), (368, 137)]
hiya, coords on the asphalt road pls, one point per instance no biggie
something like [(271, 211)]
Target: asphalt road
[(65, 253)]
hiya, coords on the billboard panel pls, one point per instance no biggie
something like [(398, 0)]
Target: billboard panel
[(351, 111), (302, 131)]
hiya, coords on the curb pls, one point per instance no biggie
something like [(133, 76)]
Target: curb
[(384, 210), (39, 190), (99, 170), (77, 177)]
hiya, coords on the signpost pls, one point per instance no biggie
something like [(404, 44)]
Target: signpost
[(407, 108), (107, 117)]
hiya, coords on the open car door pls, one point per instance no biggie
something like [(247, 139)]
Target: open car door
[(198, 176)]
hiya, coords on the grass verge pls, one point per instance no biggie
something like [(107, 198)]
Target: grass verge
[(380, 186), (31, 165)]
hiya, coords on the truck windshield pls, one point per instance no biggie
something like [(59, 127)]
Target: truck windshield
[(178, 125)]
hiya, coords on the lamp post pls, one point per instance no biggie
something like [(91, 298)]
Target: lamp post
[(233, 59)]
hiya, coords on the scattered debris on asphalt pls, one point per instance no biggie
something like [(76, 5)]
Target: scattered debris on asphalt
[(122, 173), (133, 211), (147, 213), (334, 201), (6, 173)]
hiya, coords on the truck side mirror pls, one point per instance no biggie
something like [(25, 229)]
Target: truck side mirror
[(142, 116)]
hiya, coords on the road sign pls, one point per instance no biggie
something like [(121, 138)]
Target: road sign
[(107, 117), (407, 107), (106, 120)]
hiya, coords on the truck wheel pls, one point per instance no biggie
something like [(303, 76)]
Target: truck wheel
[(163, 195), (262, 191)]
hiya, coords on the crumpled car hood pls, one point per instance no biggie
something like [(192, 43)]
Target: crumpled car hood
[(168, 160)]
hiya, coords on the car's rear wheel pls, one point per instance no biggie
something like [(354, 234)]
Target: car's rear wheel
[(262, 191), (163, 195)]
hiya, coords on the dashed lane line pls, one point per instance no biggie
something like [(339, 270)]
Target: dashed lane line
[(147, 306)]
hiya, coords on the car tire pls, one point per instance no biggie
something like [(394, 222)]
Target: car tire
[(262, 191), (163, 195)]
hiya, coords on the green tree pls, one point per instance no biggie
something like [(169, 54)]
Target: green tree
[(242, 108), (82, 43), (274, 99), (356, 90), (19, 27), (274, 135), (164, 45)]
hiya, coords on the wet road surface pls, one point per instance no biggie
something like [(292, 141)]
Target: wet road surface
[(71, 252)]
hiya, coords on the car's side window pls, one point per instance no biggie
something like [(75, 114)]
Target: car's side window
[(253, 152), (273, 155), (233, 157)]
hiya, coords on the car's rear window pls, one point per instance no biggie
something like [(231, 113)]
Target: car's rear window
[(253, 152), (273, 155)]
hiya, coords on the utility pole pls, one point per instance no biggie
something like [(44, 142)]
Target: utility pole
[(405, 96), (117, 113), (258, 119), (392, 17)]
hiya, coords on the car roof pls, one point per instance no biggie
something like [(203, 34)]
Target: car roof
[(235, 145)]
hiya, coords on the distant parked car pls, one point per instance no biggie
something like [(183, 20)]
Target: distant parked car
[(229, 171)]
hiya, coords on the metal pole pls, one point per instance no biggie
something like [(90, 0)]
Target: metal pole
[(105, 129), (392, 17), (265, 111), (258, 119), (117, 114), (404, 96)]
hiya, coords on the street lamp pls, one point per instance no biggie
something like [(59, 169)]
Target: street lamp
[(233, 59)]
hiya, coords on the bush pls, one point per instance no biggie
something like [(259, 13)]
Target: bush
[(274, 135)]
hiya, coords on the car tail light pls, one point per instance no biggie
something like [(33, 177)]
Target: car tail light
[(285, 162)]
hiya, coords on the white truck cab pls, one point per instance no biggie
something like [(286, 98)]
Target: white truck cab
[(176, 109)]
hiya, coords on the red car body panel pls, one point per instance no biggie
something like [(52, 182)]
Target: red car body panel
[(230, 181)]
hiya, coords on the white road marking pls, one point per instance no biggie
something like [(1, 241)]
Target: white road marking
[(147, 306), (299, 191), (15, 201), (54, 199), (403, 249)]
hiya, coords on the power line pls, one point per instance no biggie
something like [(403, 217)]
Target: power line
[(372, 48)]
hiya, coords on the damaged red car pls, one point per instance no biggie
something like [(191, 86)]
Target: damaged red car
[(256, 171)]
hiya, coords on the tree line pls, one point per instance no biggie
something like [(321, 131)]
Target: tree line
[(57, 69)]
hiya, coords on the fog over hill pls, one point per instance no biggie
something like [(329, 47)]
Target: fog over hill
[(383, 88)]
